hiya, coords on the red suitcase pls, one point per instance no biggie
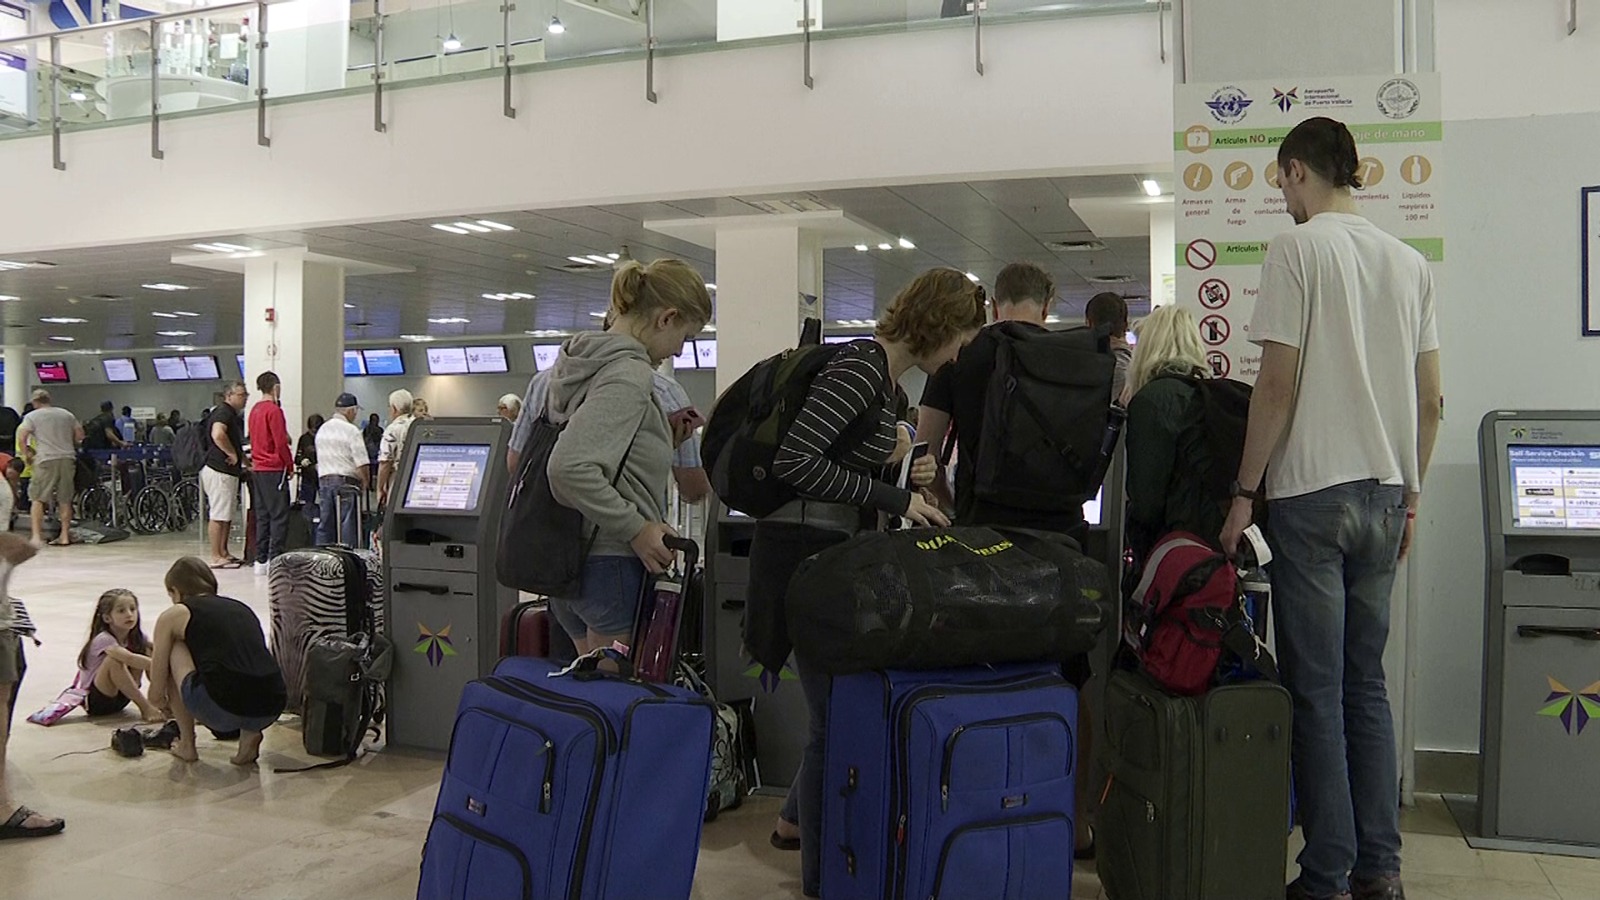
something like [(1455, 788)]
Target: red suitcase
[(525, 630)]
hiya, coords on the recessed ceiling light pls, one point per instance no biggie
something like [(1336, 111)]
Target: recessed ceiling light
[(419, 338), (164, 286), (451, 228), (77, 95), (710, 328), (178, 346), (710, 286), (7, 298), (175, 333), (582, 260), (862, 248), (186, 314), (449, 320), (521, 296), (544, 332), (885, 246), (973, 277), (473, 226), (452, 44), (1152, 188), (555, 26), (63, 320), (496, 296), (62, 338), (599, 260), (220, 247), (349, 306), (164, 315), (613, 256), (497, 226), (598, 315), (6, 265), (905, 244)]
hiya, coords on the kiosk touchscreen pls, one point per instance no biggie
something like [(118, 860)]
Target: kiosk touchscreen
[(1541, 698), (443, 602)]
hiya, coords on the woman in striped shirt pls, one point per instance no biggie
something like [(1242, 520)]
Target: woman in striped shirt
[(842, 437)]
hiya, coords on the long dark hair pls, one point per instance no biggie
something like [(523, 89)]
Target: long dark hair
[(191, 577), (136, 642)]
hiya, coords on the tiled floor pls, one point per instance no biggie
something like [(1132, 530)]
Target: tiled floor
[(152, 826)]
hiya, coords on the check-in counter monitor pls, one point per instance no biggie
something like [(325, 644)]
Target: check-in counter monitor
[(1541, 709), (444, 603)]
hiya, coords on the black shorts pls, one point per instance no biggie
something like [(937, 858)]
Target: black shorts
[(101, 705)]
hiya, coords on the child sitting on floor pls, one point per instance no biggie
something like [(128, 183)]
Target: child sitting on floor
[(116, 656)]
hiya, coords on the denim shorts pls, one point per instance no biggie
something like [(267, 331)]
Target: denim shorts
[(206, 711), (609, 601)]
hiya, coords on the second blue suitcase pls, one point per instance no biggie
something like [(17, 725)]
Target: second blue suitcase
[(950, 784), (569, 788)]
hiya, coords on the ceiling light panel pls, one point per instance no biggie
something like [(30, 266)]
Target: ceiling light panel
[(164, 315), (451, 229), (63, 320), (497, 226), (450, 320), (175, 333), (61, 338), (164, 286)]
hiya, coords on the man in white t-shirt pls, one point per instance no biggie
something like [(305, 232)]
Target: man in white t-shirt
[(394, 442), (343, 467), (1342, 425), (48, 439)]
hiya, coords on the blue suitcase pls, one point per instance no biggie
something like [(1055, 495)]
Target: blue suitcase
[(570, 788), (950, 784)]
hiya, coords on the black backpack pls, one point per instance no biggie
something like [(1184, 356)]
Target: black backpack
[(749, 422), (189, 448), (1049, 426), (1225, 420)]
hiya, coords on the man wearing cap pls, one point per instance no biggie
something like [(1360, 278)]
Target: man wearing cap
[(343, 466)]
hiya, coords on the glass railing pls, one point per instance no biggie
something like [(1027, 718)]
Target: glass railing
[(212, 58)]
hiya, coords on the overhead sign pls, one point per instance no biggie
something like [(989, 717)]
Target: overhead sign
[(1228, 204)]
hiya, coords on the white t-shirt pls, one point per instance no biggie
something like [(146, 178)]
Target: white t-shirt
[(55, 432), (394, 439), (340, 448), (1370, 301)]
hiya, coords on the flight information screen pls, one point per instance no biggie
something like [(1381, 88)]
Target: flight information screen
[(1555, 487)]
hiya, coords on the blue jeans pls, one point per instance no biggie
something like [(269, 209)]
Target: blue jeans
[(1334, 555), (804, 802), (338, 524)]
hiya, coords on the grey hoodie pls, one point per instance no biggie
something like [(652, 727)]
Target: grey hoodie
[(601, 388)]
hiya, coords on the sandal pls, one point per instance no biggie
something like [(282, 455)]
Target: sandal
[(13, 828), (229, 564), (791, 845)]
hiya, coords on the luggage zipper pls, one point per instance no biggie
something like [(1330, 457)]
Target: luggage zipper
[(603, 748), (949, 842), (959, 730), (899, 799), (546, 791), (484, 837)]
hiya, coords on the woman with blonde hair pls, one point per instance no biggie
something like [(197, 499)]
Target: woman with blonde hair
[(1168, 454), (613, 460)]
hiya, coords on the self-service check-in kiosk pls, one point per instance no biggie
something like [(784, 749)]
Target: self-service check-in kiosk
[(1541, 698), (443, 603)]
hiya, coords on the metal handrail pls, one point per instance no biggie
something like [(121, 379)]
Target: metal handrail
[(198, 12)]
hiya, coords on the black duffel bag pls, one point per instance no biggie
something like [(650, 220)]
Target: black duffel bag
[(936, 598)]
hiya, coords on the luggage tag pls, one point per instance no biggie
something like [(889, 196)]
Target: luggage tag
[(1258, 543)]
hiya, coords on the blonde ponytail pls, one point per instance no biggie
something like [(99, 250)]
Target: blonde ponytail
[(638, 289)]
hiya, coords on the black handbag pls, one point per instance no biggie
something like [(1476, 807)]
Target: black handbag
[(940, 598)]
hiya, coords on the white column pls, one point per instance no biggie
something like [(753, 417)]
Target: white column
[(1163, 255), (294, 326), (19, 376), (761, 273)]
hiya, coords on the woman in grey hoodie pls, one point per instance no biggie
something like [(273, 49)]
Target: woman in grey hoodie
[(613, 462)]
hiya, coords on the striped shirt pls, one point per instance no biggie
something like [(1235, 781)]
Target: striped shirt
[(855, 383)]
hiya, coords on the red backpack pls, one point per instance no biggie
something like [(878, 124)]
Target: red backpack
[(1185, 612)]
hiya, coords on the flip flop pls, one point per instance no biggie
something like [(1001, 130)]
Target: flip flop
[(790, 845), (230, 564), (13, 827)]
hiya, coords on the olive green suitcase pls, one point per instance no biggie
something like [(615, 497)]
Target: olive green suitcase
[(1197, 803)]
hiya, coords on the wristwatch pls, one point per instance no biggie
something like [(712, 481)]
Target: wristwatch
[(1237, 490)]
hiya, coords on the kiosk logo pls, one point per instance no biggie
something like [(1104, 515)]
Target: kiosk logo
[(1573, 708), (435, 645)]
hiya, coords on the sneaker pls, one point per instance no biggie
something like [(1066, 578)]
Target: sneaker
[(1296, 891), (1387, 887), (262, 568)]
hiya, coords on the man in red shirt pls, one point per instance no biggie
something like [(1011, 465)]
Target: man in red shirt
[(271, 462)]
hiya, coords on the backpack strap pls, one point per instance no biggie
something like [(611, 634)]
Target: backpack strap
[(1148, 580)]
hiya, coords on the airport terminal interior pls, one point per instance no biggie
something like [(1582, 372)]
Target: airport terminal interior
[(434, 196)]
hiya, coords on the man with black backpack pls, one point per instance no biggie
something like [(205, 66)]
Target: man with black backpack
[(960, 396)]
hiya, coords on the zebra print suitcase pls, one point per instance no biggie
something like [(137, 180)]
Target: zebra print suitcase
[(308, 598)]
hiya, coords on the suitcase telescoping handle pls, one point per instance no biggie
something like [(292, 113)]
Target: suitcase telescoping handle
[(689, 549)]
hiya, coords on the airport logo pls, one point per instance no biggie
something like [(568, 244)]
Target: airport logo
[(1229, 104), (1285, 100), (1399, 98), (434, 645), (1573, 708)]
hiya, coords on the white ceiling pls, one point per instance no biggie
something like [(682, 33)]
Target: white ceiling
[(971, 226)]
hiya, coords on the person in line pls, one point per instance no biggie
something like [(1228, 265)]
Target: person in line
[(393, 444), (100, 432), (509, 407), (175, 420), (1109, 310), (270, 464), (128, 426), (343, 474), (161, 433), (50, 436), (225, 465), (419, 409), (613, 459), (1342, 426), (11, 493), (113, 660), (924, 328), (211, 665), (9, 420), (372, 436), (1168, 454), (956, 396), (305, 462), (16, 820)]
